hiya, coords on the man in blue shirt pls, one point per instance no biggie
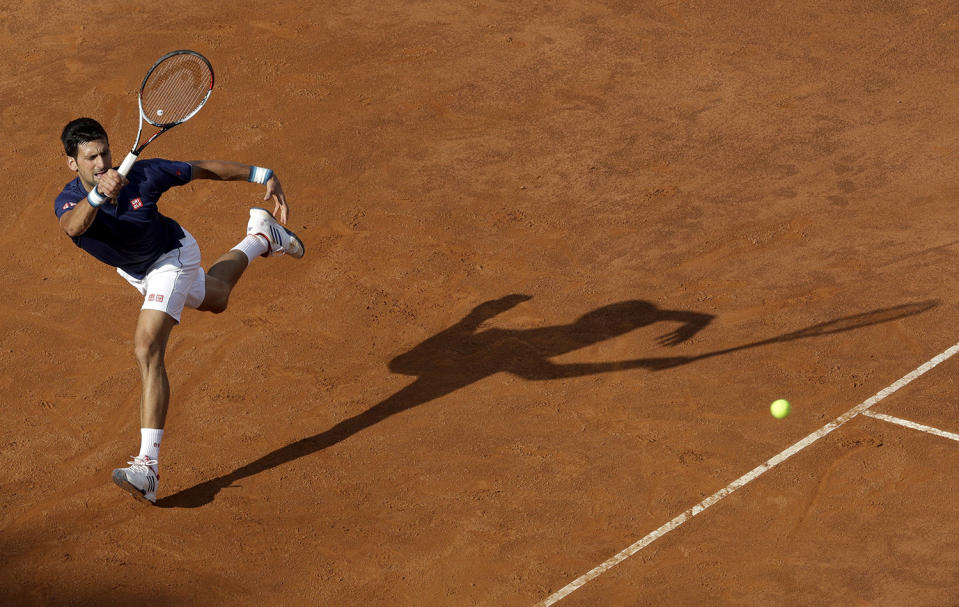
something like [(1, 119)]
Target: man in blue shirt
[(160, 258)]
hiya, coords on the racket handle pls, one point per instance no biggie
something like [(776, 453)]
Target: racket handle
[(127, 163)]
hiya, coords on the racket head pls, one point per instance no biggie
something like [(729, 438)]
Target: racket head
[(175, 88)]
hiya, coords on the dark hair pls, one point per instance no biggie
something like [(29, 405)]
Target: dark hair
[(81, 130)]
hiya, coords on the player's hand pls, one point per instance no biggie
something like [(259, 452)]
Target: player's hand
[(111, 183), (674, 338), (274, 190)]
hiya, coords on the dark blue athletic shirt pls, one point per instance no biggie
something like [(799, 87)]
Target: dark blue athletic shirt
[(131, 234)]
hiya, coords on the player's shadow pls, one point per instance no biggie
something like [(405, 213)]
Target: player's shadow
[(466, 353)]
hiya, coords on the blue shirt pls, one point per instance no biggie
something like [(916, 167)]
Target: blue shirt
[(132, 234)]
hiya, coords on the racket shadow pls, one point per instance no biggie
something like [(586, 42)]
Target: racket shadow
[(466, 353)]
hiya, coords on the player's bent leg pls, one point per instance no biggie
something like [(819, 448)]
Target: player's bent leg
[(220, 280), (217, 296), (265, 237)]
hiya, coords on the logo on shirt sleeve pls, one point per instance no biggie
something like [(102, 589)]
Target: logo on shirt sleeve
[(136, 203), (68, 205)]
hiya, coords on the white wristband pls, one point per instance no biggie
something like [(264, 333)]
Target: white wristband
[(259, 175), (95, 198)]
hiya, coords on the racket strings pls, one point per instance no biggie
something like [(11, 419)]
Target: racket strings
[(175, 89)]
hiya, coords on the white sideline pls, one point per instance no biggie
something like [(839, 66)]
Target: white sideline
[(913, 425), (745, 479)]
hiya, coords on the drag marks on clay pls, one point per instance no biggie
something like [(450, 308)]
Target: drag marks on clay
[(275, 28)]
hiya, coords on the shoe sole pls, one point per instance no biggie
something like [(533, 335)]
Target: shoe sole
[(299, 244), (293, 237), (121, 481)]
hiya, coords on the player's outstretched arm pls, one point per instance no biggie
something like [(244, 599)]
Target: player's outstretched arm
[(225, 170)]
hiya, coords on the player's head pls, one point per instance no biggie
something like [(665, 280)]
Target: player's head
[(79, 131), (88, 149)]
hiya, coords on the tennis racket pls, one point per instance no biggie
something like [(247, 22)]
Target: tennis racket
[(173, 91)]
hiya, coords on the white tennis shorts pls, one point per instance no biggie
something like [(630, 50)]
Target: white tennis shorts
[(176, 280)]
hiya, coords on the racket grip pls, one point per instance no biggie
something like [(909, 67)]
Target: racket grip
[(127, 163)]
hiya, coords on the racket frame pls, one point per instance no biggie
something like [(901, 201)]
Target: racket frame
[(163, 126)]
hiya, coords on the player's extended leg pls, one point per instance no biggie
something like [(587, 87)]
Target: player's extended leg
[(149, 342), (153, 329)]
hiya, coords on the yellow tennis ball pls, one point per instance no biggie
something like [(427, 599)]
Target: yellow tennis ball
[(780, 408)]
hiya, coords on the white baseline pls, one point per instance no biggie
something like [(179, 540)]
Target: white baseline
[(745, 479)]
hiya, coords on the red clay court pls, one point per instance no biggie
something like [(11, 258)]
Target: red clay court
[(560, 259)]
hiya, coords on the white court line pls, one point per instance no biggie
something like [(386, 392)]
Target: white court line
[(745, 479), (913, 425)]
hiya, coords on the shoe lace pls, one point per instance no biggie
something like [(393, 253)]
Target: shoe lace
[(142, 461)]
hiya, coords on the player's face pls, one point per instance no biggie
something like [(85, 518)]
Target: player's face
[(93, 160)]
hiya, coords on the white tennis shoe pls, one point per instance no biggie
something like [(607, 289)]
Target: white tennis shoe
[(280, 240), (140, 479)]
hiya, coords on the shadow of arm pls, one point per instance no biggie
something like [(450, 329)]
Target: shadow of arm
[(548, 370)]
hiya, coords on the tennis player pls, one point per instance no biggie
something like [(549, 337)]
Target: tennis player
[(159, 258)]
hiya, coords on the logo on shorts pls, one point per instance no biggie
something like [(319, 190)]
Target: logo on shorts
[(136, 203), (155, 297)]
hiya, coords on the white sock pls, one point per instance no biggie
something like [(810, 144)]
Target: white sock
[(253, 246), (150, 442)]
